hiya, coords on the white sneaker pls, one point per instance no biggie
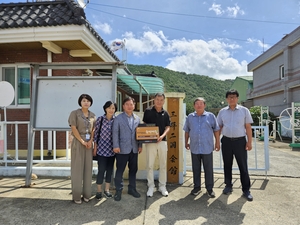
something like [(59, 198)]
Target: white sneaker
[(78, 201), (150, 192), (163, 191)]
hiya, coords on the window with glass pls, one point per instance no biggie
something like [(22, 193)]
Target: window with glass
[(282, 72), (19, 78), (119, 101)]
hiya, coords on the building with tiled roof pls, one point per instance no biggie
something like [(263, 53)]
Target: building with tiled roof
[(54, 32), (52, 26)]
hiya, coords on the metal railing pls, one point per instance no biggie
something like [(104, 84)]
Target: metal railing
[(6, 158), (258, 157)]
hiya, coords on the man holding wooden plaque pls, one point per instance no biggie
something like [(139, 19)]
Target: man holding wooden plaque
[(160, 118)]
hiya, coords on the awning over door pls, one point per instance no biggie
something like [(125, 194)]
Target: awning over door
[(135, 84)]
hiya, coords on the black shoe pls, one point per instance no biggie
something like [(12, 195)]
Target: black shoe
[(107, 194), (248, 196), (118, 195), (196, 191), (211, 193), (134, 193), (227, 190), (98, 195)]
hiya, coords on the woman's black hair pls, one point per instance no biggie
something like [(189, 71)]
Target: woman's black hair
[(108, 104), (86, 96)]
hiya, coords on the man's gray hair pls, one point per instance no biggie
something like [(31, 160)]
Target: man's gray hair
[(200, 99)]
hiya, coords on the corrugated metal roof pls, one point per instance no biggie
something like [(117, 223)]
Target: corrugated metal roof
[(133, 84), (248, 78)]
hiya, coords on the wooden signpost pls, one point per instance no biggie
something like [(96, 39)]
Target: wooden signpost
[(173, 141)]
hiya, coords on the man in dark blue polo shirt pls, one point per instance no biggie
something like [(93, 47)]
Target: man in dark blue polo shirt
[(160, 117)]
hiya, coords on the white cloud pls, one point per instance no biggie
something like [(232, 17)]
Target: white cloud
[(150, 42), (230, 11), (206, 58), (212, 58), (234, 11), (216, 8), (259, 43), (104, 27), (249, 53)]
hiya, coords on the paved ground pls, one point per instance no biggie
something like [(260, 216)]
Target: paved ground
[(276, 200)]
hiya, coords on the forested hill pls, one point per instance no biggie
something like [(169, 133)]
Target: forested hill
[(193, 85)]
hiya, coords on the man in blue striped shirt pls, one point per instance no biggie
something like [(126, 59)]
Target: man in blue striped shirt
[(201, 127)]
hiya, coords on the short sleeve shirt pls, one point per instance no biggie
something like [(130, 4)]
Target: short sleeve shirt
[(82, 124), (233, 121), (160, 119), (201, 132)]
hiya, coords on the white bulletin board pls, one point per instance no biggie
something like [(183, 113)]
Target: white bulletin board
[(58, 96)]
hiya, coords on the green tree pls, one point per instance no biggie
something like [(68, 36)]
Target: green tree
[(255, 113), (193, 85)]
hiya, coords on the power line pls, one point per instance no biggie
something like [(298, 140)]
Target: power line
[(171, 28), (200, 16)]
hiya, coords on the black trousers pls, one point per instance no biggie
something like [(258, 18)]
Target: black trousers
[(207, 160), (237, 149), (121, 162), (105, 164)]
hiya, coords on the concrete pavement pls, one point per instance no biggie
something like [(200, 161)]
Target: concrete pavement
[(48, 201)]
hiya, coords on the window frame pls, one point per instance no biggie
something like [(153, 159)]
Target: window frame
[(119, 99), (281, 71), (16, 105)]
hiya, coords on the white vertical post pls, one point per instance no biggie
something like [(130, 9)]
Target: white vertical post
[(5, 137), (114, 84), (141, 99), (148, 101), (124, 52), (49, 74), (266, 148), (67, 145), (42, 144), (16, 141), (54, 145), (293, 122)]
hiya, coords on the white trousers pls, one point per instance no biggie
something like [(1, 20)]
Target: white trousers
[(152, 150)]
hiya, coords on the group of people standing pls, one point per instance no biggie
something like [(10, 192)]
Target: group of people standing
[(113, 138), (202, 128)]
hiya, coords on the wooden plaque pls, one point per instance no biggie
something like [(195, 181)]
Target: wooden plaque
[(147, 133)]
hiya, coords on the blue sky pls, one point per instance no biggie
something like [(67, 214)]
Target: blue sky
[(214, 38)]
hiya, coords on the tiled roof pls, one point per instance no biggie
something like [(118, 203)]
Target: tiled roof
[(44, 14)]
